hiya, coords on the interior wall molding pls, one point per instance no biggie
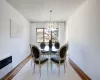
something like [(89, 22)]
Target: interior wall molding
[(82, 74), (13, 72)]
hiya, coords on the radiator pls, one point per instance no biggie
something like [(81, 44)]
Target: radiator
[(5, 66)]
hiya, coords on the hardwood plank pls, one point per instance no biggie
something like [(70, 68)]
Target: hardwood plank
[(82, 75), (12, 73)]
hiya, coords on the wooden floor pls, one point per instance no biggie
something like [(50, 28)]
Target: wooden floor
[(26, 66), (79, 71), (26, 73), (11, 74)]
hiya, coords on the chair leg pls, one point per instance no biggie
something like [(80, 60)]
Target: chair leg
[(50, 54), (64, 67), (34, 68), (59, 70), (40, 70), (51, 65), (66, 64), (31, 61), (43, 55), (47, 66)]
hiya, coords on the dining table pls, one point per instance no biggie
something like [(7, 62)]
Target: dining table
[(49, 51)]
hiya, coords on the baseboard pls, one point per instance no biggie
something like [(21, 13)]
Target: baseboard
[(13, 72), (82, 75)]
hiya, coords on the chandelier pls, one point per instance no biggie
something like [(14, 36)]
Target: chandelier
[(50, 25)]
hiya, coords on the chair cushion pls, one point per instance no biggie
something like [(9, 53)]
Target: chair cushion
[(42, 60), (43, 51), (54, 51), (56, 59)]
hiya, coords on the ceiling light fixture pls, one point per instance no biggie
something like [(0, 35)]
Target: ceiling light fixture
[(51, 25)]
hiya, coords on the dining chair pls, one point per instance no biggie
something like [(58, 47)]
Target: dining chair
[(37, 59), (57, 46), (42, 46), (31, 52), (60, 59)]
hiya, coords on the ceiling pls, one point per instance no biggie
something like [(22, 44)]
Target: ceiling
[(38, 10)]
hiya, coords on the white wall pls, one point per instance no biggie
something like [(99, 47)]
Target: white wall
[(84, 38), (17, 47), (61, 35), (66, 33)]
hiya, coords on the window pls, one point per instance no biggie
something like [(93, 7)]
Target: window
[(39, 35), (44, 36)]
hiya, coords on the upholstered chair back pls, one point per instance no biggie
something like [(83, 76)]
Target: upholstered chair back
[(36, 52)]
